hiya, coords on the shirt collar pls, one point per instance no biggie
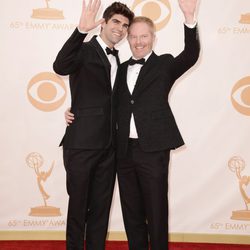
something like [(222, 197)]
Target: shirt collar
[(145, 57), (102, 43)]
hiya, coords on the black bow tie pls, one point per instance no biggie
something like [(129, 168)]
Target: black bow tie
[(113, 52), (133, 61)]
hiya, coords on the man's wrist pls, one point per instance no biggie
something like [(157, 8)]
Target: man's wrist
[(82, 31), (191, 25)]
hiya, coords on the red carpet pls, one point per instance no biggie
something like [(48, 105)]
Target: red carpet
[(115, 245)]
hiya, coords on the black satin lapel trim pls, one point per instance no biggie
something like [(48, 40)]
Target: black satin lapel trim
[(146, 74), (102, 55), (117, 79), (121, 78), (124, 77)]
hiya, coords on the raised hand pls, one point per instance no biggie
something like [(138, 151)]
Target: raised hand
[(87, 20), (188, 8)]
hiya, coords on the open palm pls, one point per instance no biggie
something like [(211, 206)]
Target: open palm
[(188, 6), (87, 20)]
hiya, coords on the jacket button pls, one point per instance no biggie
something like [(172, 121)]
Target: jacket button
[(132, 101)]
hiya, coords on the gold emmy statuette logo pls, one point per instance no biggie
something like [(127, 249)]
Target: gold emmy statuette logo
[(46, 91), (47, 13), (236, 164), (240, 96), (35, 161), (158, 11), (245, 18)]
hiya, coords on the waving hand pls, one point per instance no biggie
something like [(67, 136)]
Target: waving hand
[(188, 8), (87, 20)]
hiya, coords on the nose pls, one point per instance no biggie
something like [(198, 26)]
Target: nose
[(120, 27), (138, 40)]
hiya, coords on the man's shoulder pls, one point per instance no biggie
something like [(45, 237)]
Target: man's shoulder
[(90, 46), (165, 56), (124, 64), (155, 57), (161, 58)]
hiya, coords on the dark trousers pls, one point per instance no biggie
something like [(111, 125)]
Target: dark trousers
[(143, 185), (90, 181)]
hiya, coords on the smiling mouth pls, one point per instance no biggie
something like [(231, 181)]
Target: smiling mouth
[(117, 34), (139, 48)]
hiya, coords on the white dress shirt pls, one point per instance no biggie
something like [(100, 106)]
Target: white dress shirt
[(132, 75), (111, 59)]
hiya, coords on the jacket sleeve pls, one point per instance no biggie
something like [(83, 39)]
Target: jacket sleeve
[(68, 59), (188, 57)]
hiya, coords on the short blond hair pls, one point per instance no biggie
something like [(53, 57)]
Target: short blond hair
[(143, 19)]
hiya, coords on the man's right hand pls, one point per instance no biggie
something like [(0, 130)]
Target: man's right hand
[(188, 8), (87, 20), (69, 117)]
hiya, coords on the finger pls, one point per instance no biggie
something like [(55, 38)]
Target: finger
[(83, 6), (89, 7), (69, 118), (69, 115), (68, 112), (96, 5)]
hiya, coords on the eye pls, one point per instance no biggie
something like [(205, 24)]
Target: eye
[(158, 11), (240, 96), (125, 26), (46, 91)]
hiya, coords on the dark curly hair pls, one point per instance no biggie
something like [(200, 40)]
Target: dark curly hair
[(118, 8)]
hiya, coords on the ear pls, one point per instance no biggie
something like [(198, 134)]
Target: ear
[(103, 24), (155, 41), (154, 36)]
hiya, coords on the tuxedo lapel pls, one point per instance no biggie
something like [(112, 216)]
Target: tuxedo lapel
[(118, 76), (102, 55), (147, 73), (121, 78)]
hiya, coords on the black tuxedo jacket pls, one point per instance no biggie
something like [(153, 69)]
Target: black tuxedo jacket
[(155, 123), (91, 95)]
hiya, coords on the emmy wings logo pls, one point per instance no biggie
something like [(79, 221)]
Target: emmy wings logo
[(240, 217), (245, 18), (47, 13), (46, 91), (35, 161), (44, 14), (158, 10), (240, 96), (236, 164), (241, 29)]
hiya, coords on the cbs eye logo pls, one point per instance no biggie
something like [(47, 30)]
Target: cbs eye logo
[(46, 91), (240, 96), (157, 10)]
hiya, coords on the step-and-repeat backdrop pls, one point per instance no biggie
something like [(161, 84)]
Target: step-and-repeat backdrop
[(209, 181)]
